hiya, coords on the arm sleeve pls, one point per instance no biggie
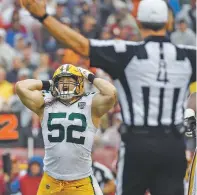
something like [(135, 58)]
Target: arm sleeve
[(112, 55)]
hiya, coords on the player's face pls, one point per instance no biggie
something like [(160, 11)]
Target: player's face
[(66, 84), (35, 169)]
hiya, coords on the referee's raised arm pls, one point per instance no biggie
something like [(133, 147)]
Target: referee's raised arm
[(106, 54), (61, 32)]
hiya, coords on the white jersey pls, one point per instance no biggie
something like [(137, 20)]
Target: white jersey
[(68, 133)]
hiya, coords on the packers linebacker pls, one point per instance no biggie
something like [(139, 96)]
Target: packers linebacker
[(69, 119), (190, 123)]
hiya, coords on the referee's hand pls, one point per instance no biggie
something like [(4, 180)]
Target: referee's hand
[(36, 7), (190, 125)]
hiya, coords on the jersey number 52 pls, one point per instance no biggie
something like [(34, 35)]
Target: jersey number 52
[(70, 128)]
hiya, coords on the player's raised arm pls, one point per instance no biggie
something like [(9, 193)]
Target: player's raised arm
[(105, 100), (29, 92), (61, 32)]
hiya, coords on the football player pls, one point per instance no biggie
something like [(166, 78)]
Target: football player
[(69, 119), (190, 123)]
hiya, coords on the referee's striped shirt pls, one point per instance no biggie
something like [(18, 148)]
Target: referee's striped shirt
[(152, 77)]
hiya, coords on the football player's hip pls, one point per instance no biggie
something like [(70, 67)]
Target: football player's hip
[(68, 174), (49, 185)]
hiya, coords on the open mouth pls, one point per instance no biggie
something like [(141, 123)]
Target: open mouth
[(65, 88)]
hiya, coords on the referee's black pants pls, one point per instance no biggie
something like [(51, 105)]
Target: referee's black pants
[(151, 159)]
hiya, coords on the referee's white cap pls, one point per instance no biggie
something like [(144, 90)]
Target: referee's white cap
[(155, 11)]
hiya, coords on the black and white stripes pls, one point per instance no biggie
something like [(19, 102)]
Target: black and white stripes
[(151, 77)]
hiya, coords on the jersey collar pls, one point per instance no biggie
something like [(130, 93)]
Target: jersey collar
[(157, 39)]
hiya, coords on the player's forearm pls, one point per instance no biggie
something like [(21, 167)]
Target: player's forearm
[(67, 36), (105, 88), (29, 84)]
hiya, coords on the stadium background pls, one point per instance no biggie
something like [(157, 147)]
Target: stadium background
[(28, 51)]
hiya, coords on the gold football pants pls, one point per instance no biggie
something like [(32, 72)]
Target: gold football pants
[(192, 181), (51, 186)]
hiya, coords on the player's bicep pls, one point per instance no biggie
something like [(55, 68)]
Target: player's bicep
[(31, 99), (101, 104)]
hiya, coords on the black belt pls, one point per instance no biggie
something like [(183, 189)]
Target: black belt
[(150, 130), (126, 130)]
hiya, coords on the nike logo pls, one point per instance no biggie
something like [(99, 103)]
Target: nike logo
[(3, 125), (79, 186)]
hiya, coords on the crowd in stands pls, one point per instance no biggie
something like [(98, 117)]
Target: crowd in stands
[(27, 50)]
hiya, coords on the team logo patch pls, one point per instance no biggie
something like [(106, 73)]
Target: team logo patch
[(47, 186), (81, 105)]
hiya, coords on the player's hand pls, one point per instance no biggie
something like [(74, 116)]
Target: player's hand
[(190, 124), (53, 88), (36, 7), (87, 74)]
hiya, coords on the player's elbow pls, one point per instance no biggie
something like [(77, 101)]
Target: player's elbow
[(112, 95), (19, 87)]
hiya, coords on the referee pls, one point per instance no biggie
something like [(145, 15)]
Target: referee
[(152, 79)]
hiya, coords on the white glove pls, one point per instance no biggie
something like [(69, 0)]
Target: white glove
[(87, 74)]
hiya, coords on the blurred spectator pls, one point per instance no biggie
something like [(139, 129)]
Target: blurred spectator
[(29, 183), (2, 182), (106, 7), (106, 35), (43, 72), (121, 18), (6, 87), (8, 12), (171, 23), (1, 22), (7, 53), (135, 4), (70, 57), (31, 59), (183, 35), (49, 44), (12, 75), (17, 106), (19, 44), (175, 5), (51, 7), (89, 28), (4, 4), (188, 13), (23, 73), (2, 185), (26, 19), (84, 11), (59, 55), (60, 9), (36, 128), (14, 28), (66, 21), (15, 170)]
